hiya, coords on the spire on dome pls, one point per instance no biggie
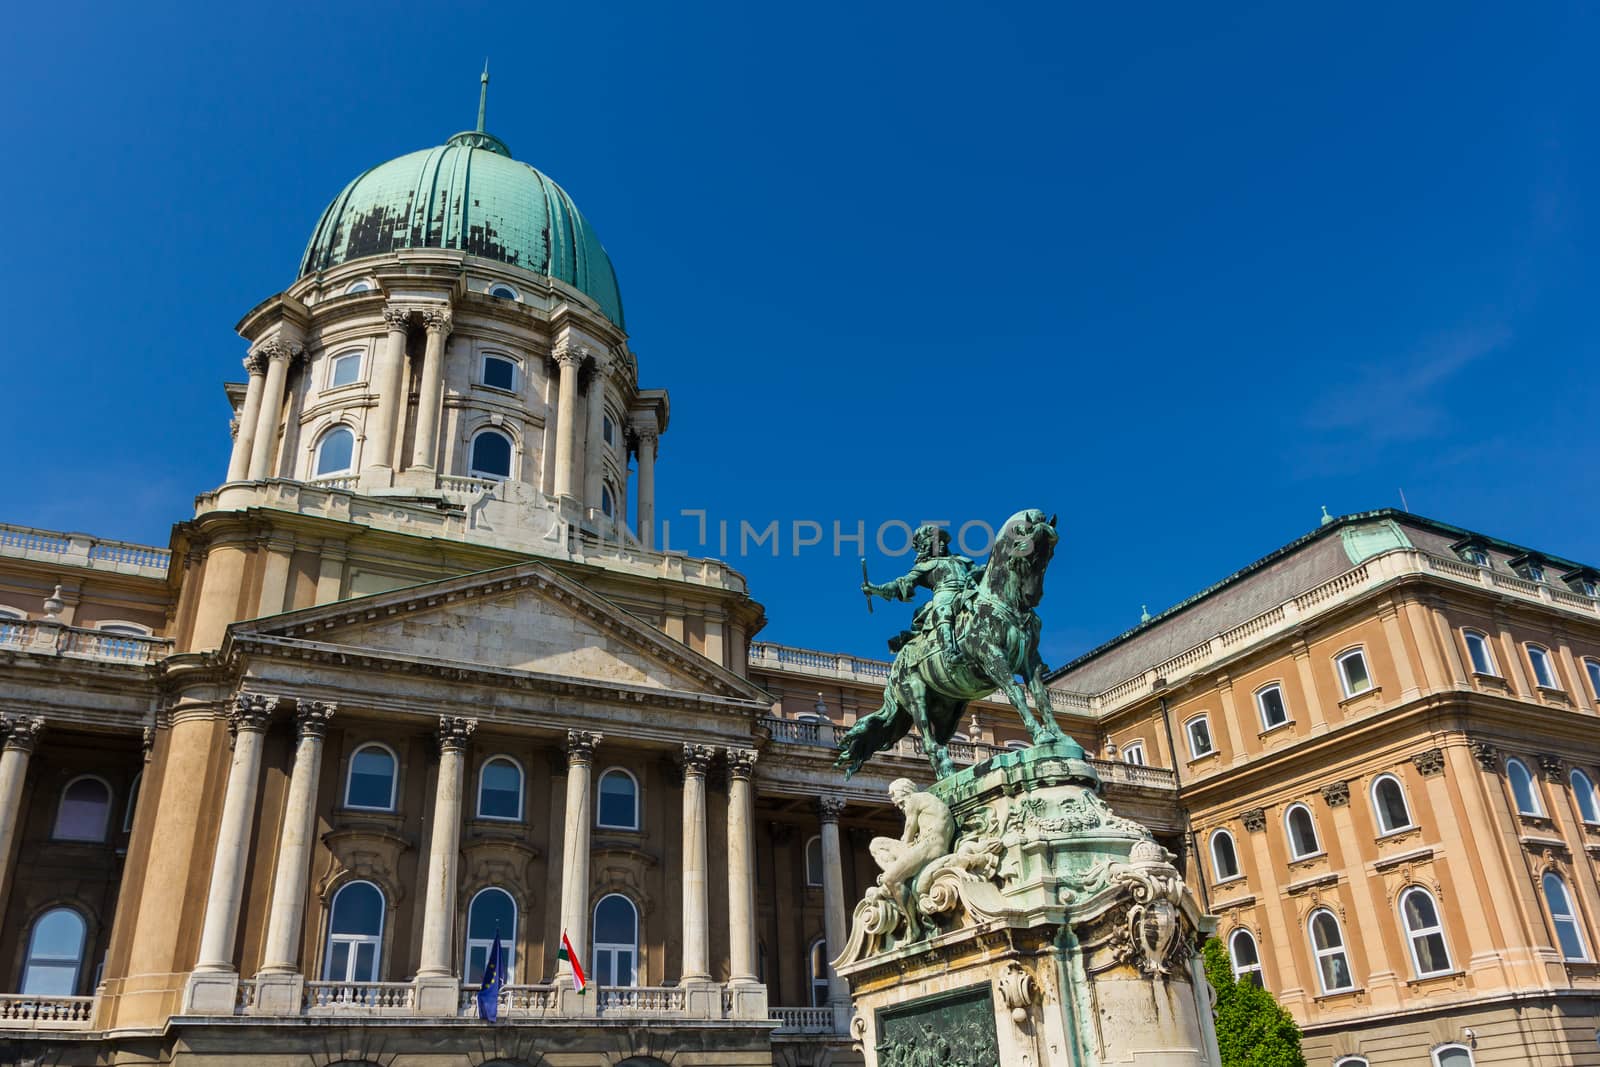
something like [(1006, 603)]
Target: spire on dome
[(480, 137), (483, 94)]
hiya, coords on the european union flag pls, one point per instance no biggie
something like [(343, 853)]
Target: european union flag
[(493, 979)]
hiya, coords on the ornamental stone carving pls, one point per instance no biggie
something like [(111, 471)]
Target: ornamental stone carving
[(696, 758), (312, 720), (22, 732), (1255, 820), (255, 363), (251, 711), (581, 745), (437, 321), (741, 763), (397, 318), (454, 732), (1486, 755), (1551, 767), (1337, 794), (1018, 990), (569, 355), (277, 348), (147, 742), (830, 808), (1430, 762)]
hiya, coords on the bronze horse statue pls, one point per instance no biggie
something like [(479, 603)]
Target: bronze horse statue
[(996, 641)]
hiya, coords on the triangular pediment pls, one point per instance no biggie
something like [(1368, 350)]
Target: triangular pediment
[(525, 618)]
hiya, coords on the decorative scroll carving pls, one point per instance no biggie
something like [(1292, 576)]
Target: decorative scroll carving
[(312, 721), (1018, 990), (1255, 820), (22, 732), (454, 732), (1337, 794), (251, 711), (581, 745), (1430, 762)]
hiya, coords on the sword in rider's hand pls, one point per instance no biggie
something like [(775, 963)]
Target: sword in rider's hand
[(866, 581)]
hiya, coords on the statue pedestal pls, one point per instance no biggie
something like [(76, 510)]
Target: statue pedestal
[(1054, 933)]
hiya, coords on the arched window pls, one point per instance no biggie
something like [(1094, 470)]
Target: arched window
[(1568, 934), (1269, 702), (1522, 788), (1016, 746), (608, 429), (1224, 857), (817, 973), (336, 452), (491, 455), (133, 803), (355, 934), (1424, 932), (1354, 677), (1246, 958), (1302, 831), (55, 954), (1544, 672), (1452, 1056), (360, 285), (608, 504), (1133, 752), (344, 369), (1591, 667), (371, 782), (1583, 793), (84, 810), (1327, 945), (1479, 652), (1351, 1061), (619, 801), (491, 912), (616, 942), (814, 861), (1389, 802), (500, 789), (502, 291), (1199, 731)]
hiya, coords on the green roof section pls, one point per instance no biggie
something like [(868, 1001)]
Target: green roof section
[(467, 194)]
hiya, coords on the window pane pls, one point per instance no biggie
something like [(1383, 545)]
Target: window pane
[(1571, 941), (1431, 956), (1134, 754), (358, 909), (1392, 805), (614, 921), (499, 373), (616, 800), (491, 455), (1583, 792), (1302, 832), (371, 779), (1226, 862), (1325, 931), (1542, 674), (345, 370), (1454, 1057), (1244, 950), (366, 962), (1479, 650), (814, 861), (336, 451), (50, 979), (492, 912), (603, 974), (624, 965), (1336, 972), (1273, 713), (477, 955), (84, 807), (500, 795), (1593, 669), (1522, 788), (1355, 673), (339, 961)]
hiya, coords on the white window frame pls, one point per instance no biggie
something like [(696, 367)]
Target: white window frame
[(510, 292), (1411, 935), (608, 501), (1288, 831), (322, 440), (28, 956), (355, 940), (1317, 954), (1533, 789), (1585, 796), (1216, 865), (1377, 805), (1534, 572), (360, 285), (472, 446), (522, 788), (357, 354), (1591, 667), (350, 769), (1547, 678), (1475, 556), (637, 796), (1133, 753), (501, 357), (805, 861), (817, 984), (1261, 706), (1339, 661), (1436, 1055), (1188, 733), (1351, 1061), (1569, 916), (508, 938), (1233, 958), (105, 820), (1477, 638), (637, 964)]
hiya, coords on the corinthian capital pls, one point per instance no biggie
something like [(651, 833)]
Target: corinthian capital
[(251, 711), (569, 355), (255, 363), (313, 718), (455, 732), (437, 321), (580, 746), (741, 763), (830, 808), (397, 318), (696, 758), (22, 732), (647, 435), (278, 348)]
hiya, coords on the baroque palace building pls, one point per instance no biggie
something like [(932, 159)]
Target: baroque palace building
[(407, 682)]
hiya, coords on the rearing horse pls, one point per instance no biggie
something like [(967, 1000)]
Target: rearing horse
[(997, 638)]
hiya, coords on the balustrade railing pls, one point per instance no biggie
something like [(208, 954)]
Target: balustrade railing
[(23, 1011), (128, 648), (455, 483), (803, 1020), (247, 996), (359, 998), (337, 481), (513, 1000), (633, 1000), (81, 550)]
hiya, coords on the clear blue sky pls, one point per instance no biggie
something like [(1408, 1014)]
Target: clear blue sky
[(1181, 274)]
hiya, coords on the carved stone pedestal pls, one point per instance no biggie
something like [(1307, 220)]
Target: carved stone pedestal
[(1052, 932)]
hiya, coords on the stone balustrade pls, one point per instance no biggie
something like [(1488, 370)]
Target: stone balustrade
[(360, 998), (515, 1000), (24, 1011), (804, 1020), (641, 1000), (81, 550), (53, 638)]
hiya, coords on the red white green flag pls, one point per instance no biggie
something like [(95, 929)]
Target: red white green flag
[(579, 982)]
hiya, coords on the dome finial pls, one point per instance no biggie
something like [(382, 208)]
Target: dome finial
[(483, 94)]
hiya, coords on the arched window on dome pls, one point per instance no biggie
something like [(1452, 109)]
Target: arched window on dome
[(360, 285), (491, 455), (502, 291), (336, 452)]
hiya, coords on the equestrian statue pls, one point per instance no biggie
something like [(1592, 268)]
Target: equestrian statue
[(977, 634)]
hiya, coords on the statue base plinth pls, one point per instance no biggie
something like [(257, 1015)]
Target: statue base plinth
[(1055, 932)]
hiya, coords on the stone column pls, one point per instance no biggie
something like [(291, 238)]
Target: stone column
[(437, 985), (594, 450), (648, 436), (279, 355), (833, 906), (575, 850), (431, 398), (20, 736), (696, 918), (214, 985), (377, 453), (749, 995), (568, 360), (279, 982), (255, 364)]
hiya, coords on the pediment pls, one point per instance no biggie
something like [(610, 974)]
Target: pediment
[(525, 618)]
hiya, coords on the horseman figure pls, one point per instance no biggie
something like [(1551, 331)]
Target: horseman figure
[(977, 634)]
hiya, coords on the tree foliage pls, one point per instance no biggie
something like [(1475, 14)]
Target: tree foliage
[(1253, 1030)]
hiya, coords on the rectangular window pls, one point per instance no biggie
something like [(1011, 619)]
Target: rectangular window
[(499, 373), (1134, 754), (344, 370)]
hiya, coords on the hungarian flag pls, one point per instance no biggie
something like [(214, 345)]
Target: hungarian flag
[(579, 982)]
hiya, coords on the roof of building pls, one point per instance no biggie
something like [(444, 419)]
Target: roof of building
[(467, 194)]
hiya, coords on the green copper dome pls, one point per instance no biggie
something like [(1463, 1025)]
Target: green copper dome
[(471, 195)]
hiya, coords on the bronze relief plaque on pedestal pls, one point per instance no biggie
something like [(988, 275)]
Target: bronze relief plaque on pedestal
[(953, 1029)]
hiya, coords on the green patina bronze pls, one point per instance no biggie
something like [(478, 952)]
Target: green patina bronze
[(951, 1030), (977, 634)]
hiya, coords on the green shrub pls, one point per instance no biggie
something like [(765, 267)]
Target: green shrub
[(1253, 1030)]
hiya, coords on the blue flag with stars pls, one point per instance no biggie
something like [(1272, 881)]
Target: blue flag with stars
[(493, 979)]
